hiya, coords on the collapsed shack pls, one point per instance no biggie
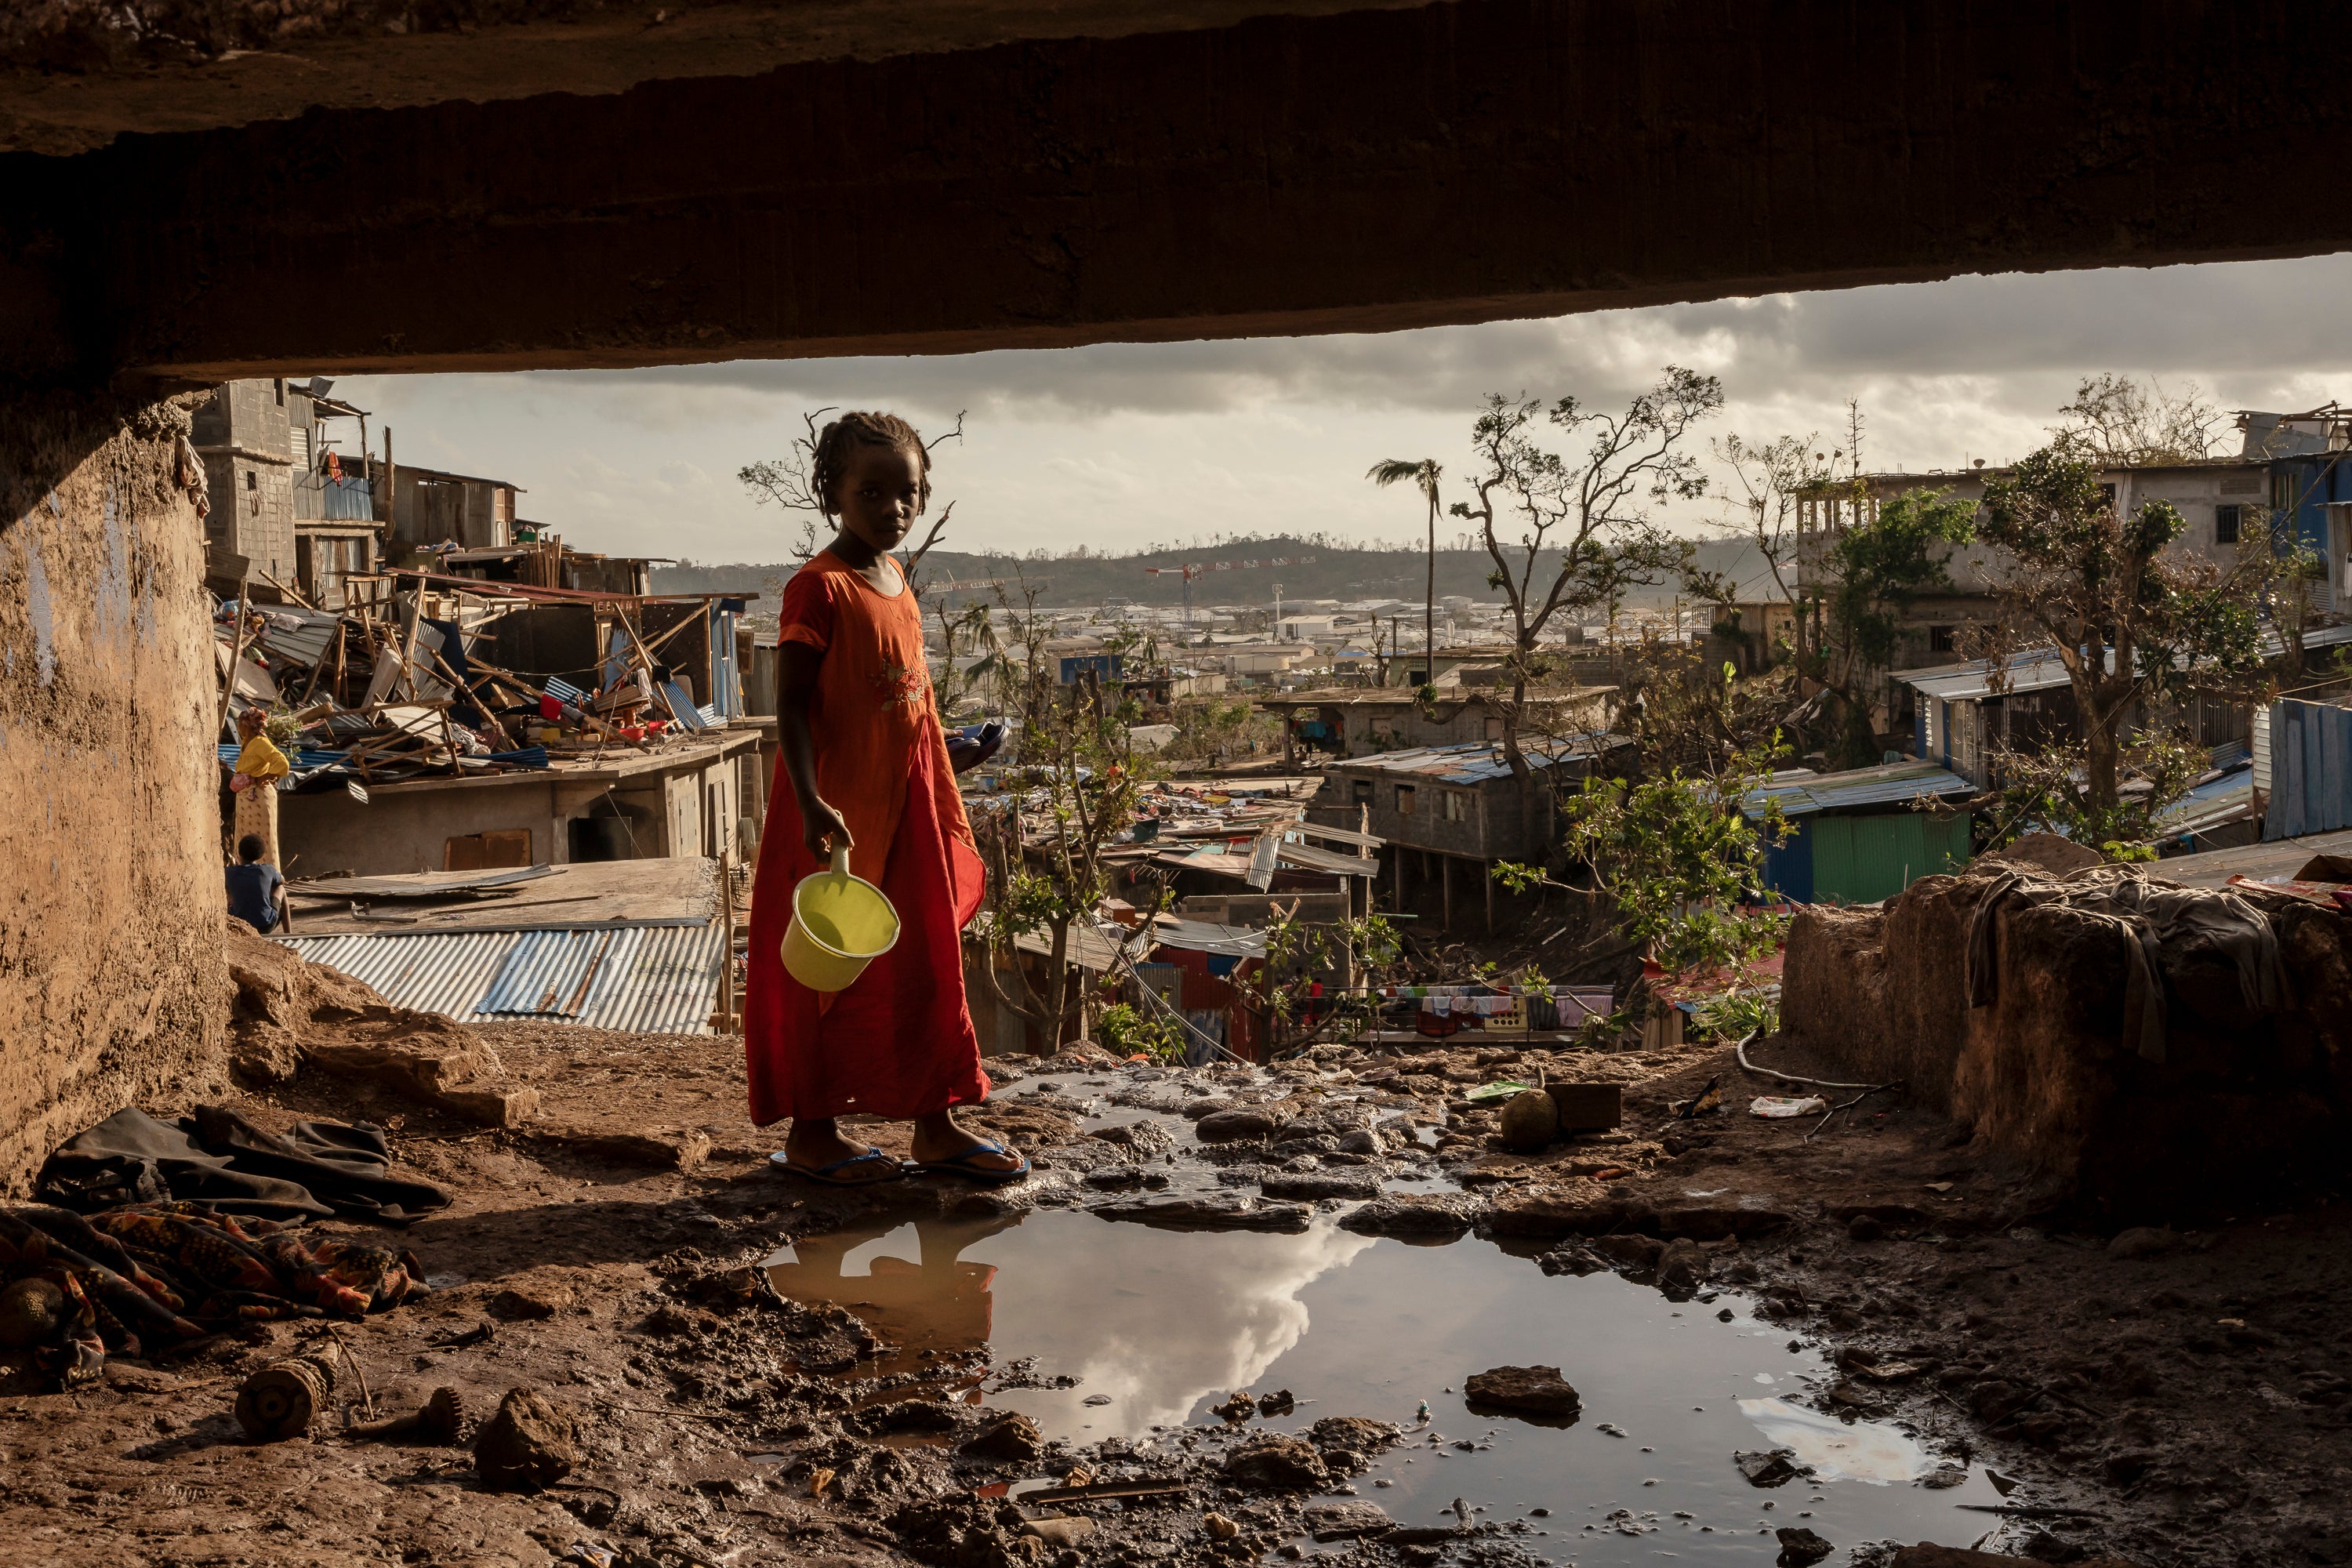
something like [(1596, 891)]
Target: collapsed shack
[(2007, 998)]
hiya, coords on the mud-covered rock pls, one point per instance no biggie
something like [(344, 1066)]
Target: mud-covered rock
[(1277, 1463), (1014, 1440), (529, 1444), (1523, 1391), (1359, 1433), (1681, 1268), (1583, 1208), (961, 1532), (1414, 1214), (1232, 1126), (1208, 1211), (1347, 1521), (1769, 1467), (1800, 1547), (1634, 1253), (1310, 1185)]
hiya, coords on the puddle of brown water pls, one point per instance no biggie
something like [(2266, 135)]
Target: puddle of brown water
[(1167, 1323)]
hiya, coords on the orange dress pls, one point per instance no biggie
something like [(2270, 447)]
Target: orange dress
[(898, 1043)]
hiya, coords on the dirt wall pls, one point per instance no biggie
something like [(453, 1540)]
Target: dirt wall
[(112, 988), (2043, 1073)]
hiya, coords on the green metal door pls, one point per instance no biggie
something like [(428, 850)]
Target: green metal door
[(1862, 859)]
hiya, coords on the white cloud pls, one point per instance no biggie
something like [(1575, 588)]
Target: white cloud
[(1121, 444)]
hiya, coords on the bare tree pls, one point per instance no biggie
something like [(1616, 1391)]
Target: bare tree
[(1775, 478), (1586, 531), (2117, 422), (789, 482)]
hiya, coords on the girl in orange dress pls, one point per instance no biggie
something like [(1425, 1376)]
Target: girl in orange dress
[(866, 761)]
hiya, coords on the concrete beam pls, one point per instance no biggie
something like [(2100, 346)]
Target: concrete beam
[(1327, 172)]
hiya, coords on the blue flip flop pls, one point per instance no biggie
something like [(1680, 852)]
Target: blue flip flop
[(954, 1165), (823, 1174)]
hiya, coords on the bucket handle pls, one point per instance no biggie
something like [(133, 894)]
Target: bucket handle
[(841, 859)]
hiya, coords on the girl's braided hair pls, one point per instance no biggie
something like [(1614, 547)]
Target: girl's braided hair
[(831, 461)]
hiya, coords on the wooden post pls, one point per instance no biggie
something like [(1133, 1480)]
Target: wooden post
[(235, 651), (1445, 877)]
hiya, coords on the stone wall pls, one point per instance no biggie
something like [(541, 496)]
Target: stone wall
[(113, 986)]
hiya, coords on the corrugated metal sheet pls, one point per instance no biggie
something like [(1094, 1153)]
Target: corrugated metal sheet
[(2039, 668), (2263, 749), (1478, 761), (2311, 770), (551, 973), (1884, 785), (445, 973), (646, 979)]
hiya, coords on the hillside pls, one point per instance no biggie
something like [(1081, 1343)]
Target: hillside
[(1327, 572)]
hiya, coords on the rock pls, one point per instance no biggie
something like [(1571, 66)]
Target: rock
[(1637, 1254), (1523, 1391), (1681, 1268), (1582, 1208), (1801, 1548), (1309, 1186), (1769, 1467), (1345, 1461), (2141, 1241), (1530, 1121), (1115, 1176), (1232, 1126), (1015, 1440), (1194, 1110), (1347, 1521), (1278, 1403), (1277, 1463), (530, 1301), (1239, 1407), (1363, 1141), (30, 1313), (1412, 1214), (1059, 1531), (528, 1445), (1213, 1211), (909, 1416), (1943, 1478), (1361, 1433), (1862, 1227)]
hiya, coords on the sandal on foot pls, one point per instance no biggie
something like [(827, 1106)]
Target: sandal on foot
[(958, 1165), (823, 1174)]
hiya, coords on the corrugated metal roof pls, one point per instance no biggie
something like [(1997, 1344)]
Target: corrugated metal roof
[(661, 980), (1861, 786), (1478, 761), (2039, 669)]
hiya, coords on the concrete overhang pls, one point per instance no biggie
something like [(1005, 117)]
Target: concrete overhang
[(738, 181)]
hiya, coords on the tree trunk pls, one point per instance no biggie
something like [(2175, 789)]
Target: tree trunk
[(1429, 607), (2101, 755), (1057, 990)]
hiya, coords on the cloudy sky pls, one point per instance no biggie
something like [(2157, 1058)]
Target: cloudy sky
[(1124, 444)]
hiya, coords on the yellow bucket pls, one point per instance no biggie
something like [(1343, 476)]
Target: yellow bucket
[(840, 924)]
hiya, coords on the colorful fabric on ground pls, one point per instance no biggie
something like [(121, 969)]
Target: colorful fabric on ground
[(139, 1278), (900, 1042)]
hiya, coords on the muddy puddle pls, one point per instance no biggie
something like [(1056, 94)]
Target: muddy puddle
[(1150, 1328)]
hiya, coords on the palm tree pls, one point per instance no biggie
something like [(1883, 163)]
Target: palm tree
[(1424, 477)]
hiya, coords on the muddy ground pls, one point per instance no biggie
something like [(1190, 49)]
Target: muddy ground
[(2188, 1387)]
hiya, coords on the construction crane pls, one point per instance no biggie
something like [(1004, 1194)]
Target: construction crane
[(1201, 568)]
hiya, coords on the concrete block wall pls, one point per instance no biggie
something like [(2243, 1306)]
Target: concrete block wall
[(113, 990)]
